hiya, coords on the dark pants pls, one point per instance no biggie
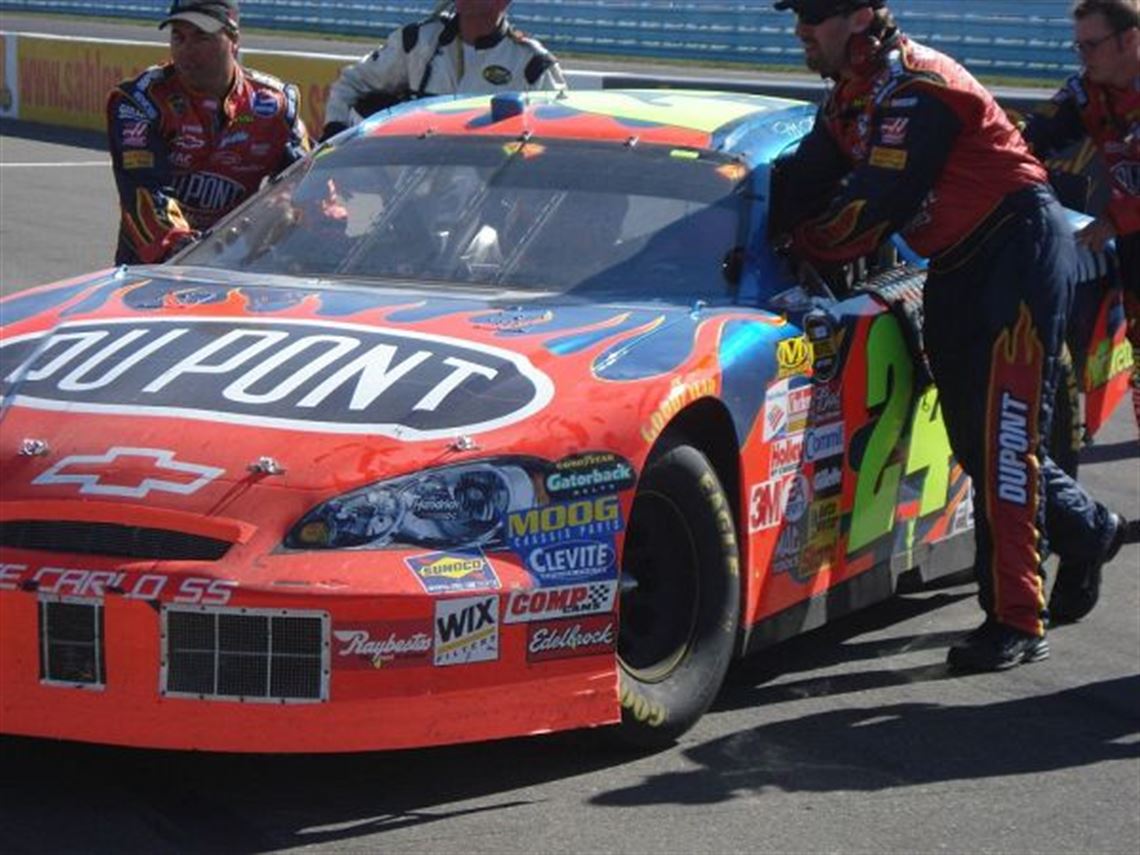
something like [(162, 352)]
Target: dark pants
[(996, 308)]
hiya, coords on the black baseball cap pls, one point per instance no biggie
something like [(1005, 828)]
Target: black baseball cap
[(207, 15), (817, 11)]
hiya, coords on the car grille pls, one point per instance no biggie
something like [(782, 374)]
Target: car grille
[(71, 643), (267, 655), (111, 539)]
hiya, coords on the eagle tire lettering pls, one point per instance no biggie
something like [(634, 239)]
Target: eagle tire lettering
[(680, 598)]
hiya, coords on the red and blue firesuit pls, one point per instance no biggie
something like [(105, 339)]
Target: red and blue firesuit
[(1110, 117), (914, 144), (182, 160)]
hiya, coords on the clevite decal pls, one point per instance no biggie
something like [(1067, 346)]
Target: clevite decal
[(299, 375)]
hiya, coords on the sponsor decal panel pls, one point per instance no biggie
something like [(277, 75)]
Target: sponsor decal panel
[(573, 560), (454, 571), (466, 630), (97, 584), (584, 519), (562, 639), (825, 441), (293, 374), (525, 606), (797, 497), (827, 477), (788, 547), (793, 356), (787, 455), (767, 502), (378, 644), (589, 474)]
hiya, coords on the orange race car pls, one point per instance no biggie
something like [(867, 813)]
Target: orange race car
[(493, 417)]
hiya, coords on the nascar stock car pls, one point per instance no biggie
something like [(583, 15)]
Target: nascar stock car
[(494, 417)]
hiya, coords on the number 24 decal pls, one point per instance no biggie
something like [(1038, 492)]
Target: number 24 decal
[(890, 384)]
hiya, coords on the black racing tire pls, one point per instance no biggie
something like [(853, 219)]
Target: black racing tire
[(680, 601)]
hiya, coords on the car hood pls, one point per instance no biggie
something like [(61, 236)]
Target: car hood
[(157, 384)]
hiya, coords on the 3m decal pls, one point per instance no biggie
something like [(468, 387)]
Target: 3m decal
[(129, 472), (392, 644), (562, 639), (766, 503), (569, 601), (292, 374), (466, 630)]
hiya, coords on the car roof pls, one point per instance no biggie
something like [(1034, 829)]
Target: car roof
[(753, 127)]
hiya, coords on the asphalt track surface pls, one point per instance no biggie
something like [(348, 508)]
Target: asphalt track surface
[(849, 739)]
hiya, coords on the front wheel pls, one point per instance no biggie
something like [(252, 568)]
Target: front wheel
[(680, 600)]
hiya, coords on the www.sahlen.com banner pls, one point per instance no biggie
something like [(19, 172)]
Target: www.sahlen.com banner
[(65, 81)]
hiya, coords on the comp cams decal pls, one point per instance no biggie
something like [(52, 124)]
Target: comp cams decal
[(298, 375)]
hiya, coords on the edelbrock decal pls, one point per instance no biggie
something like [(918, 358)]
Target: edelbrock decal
[(293, 374)]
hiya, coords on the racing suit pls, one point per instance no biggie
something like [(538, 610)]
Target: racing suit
[(182, 160), (914, 144), (1110, 117), (429, 58)]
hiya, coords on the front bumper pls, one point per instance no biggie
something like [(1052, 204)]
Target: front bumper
[(379, 687)]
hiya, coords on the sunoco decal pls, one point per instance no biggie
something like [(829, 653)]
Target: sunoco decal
[(458, 570), (298, 375)]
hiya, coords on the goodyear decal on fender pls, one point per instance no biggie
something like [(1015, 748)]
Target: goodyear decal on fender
[(567, 601), (293, 374), (793, 356), (589, 518), (459, 570)]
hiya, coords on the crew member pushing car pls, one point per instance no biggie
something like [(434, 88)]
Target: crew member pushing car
[(191, 139), (1103, 104), (473, 50), (908, 141)]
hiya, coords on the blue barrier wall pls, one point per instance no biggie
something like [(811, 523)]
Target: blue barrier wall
[(1027, 39)]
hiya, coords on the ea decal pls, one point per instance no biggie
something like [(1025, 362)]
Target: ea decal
[(298, 375)]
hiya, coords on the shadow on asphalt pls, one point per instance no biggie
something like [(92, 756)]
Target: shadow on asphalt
[(48, 133), (1110, 452), (908, 744)]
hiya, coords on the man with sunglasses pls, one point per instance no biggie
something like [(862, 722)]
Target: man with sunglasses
[(907, 141), (1103, 104)]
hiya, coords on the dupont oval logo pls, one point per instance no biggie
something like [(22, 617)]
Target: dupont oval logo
[(298, 375)]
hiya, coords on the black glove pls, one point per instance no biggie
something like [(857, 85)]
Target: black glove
[(331, 129)]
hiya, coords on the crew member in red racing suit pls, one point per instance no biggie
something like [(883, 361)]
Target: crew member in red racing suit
[(191, 139), (1103, 104), (908, 141)]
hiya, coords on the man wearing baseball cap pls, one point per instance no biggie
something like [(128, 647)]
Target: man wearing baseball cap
[(190, 139), (907, 141)]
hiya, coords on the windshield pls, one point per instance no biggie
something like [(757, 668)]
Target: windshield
[(562, 216)]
